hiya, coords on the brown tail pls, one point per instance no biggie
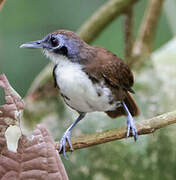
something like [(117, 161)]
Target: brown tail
[(132, 107)]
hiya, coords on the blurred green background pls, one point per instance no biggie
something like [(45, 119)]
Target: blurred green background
[(153, 156), (22, 21)]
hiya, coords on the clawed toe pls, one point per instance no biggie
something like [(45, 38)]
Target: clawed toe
[(131, 126), (65, 138), (134, 132), (67, 135), (130, 123)]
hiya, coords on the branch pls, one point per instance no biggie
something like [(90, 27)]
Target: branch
[(1, 3), (102, 18), (144, 43), (143, 127), (128, 33)]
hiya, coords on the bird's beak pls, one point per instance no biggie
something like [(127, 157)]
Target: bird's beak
[(33, 44)]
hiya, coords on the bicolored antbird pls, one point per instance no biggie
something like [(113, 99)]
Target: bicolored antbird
[(89, 78)]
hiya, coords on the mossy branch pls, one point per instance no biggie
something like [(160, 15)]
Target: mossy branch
[(144, 127), (102, 18)]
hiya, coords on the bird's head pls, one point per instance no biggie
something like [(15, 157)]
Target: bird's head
[(59, 43)]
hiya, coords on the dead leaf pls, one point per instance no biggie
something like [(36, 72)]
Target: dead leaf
[(36, 157)]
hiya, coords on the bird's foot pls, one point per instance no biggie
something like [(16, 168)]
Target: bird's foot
[(131, 126), (65, 138)]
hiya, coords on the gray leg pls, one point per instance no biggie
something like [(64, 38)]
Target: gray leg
[(130, 123), (67, 135)]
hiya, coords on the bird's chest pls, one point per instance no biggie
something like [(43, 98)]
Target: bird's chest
[(78, 90)]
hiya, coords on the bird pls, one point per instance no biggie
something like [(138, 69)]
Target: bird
[(89, 78)]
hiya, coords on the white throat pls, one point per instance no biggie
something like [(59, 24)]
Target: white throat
[(56, 59)]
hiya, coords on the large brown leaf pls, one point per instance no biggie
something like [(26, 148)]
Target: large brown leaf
[(36, 157)]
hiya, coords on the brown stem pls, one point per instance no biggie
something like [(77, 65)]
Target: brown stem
[(143, 45), (144, 127), (1, 3), (128, 33)]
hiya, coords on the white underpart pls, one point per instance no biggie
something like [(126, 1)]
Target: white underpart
[(75, 84)]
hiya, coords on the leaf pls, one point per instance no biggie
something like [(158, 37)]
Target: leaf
[(36, 156)]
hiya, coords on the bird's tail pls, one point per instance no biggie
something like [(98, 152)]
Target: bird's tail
[(130, 103)]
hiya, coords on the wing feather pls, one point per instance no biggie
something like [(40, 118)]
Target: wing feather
[(111, 68)]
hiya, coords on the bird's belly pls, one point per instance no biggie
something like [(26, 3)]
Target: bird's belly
[(85, 98), (80, 93)]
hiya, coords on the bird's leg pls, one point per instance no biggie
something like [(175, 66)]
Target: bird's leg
[(67, 135), (130, 123)]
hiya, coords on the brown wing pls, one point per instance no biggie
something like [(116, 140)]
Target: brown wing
[(112, 69), (117, 76)]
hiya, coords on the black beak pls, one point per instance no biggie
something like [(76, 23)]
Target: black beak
[(33, 44)]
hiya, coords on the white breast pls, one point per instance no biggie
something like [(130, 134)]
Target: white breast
[(81, 92)]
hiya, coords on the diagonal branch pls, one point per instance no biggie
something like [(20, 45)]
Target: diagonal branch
[(144, 43), (102, 18), (1, 3), (144, 127)]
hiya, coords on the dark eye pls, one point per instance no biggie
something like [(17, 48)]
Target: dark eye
[(54, 41)]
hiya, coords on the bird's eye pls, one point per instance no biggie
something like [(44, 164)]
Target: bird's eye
[(54, 41)]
